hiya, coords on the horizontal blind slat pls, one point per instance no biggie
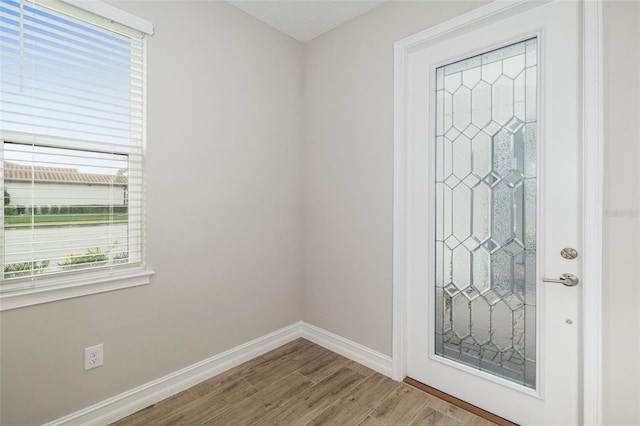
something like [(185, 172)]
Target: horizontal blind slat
[(70, 94), (80, 144), (118, 121)]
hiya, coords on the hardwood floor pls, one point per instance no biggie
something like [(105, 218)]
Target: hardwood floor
[(302, 383)]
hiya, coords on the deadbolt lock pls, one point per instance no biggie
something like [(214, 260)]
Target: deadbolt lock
[(569, 253)]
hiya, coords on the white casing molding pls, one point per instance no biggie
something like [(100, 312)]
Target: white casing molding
[(67, 286), (592, 181), (126, 403)]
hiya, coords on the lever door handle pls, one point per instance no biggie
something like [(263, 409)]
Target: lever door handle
[(569, 280)]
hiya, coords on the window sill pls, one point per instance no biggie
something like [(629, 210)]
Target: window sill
[(50, 289)]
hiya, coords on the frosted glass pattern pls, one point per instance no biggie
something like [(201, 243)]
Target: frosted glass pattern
[(486, 151)]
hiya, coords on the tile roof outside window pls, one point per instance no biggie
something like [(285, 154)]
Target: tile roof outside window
[(19, 172)]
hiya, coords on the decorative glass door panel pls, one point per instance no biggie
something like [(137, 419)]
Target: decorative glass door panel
[(485, 189)]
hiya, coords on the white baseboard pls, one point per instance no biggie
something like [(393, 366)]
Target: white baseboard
[(345, 347), (119, 406)]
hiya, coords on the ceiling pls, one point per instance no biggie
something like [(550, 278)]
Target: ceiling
[(305, 19)]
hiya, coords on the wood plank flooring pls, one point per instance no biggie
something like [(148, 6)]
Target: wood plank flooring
[(302, 383)]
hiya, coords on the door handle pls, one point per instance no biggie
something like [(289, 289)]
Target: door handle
[(569, 280)]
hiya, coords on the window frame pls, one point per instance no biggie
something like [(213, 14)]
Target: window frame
[(33, 290)]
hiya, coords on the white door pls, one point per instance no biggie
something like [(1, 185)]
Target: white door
[(492, 130)]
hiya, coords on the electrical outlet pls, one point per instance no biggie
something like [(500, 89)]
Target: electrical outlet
[(93, 356)]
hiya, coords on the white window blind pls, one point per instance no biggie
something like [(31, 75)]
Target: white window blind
[(72, 129)]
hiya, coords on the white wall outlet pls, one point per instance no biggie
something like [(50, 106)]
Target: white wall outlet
[(93, 356)]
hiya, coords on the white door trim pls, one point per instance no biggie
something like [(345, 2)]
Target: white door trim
[(592, 181), (593, 178)]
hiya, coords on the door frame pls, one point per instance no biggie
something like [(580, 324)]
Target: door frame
[(592, 205)]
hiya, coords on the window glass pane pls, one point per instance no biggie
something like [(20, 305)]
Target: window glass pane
[(65, 209), (486, 149)]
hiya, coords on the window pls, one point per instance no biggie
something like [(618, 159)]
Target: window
[(72, 154)]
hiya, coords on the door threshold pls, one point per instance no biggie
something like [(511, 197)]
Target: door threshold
[(459, 403)]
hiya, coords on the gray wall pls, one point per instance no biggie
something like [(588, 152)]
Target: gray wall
[(230, 89), (224, 110), (622, 213)]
